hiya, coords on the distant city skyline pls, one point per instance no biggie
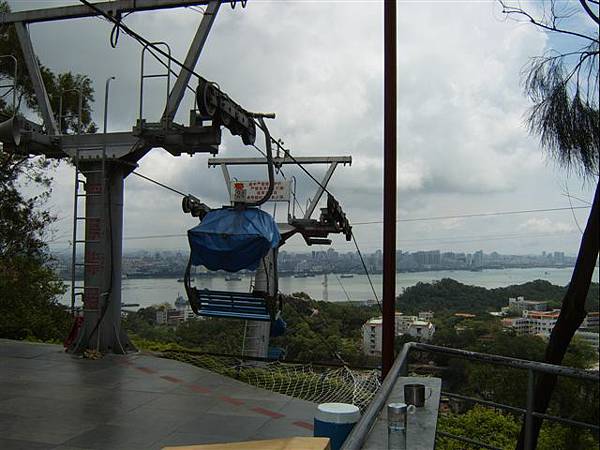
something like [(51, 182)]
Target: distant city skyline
[(311, 250), (146, 263)]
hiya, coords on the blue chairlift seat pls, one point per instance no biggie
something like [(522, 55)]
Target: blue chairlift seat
[(233, 305)]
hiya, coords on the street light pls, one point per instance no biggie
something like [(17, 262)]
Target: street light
[(106, 101)]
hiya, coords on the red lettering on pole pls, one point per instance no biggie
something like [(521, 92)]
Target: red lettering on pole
[(91, 298)]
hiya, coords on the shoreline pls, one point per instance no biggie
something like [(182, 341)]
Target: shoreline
[(167, 276)]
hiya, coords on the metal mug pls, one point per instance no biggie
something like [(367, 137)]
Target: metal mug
[(414, 394)]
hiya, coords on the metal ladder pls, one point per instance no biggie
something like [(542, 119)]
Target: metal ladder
[(79, 289)]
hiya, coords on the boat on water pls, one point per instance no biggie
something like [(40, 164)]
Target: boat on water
[(233, 278), (347, 276), (302, 275), (180, 301), (180, 280)]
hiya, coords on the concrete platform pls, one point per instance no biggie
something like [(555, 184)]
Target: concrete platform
[(52, 400)]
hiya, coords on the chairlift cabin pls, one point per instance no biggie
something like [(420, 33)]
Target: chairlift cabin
[(264, 303), (241, 236), (232, 238)]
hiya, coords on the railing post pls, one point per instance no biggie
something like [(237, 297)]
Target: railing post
[(529, 410), (403, 372)]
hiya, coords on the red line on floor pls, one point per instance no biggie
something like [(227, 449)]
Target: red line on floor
[(301, 424), (199, 389), (233, 401), (171, 379), (268, 412), (145, 369)]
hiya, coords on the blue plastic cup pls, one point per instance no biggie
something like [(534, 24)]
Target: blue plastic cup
[(335, 421)]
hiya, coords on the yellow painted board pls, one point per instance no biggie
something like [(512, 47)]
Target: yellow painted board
[(295, 443)]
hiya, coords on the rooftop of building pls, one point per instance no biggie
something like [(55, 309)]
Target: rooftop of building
[(374, 321), (534, 302), (544, 314), (421, 323)]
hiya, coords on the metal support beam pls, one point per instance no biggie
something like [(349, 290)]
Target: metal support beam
[(278, 161), (227, 178), (529, 411), (315, 200), (36, 79), (117, 144), (389, 186), (191, 59), (79, 11)]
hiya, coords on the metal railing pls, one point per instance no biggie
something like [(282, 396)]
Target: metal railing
[(359, 434)]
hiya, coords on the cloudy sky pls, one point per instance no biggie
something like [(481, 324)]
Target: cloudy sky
[(462, 145)]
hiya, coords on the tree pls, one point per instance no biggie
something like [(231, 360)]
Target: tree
[(501, 430), (28, 285), (63, 88), (563, 87)]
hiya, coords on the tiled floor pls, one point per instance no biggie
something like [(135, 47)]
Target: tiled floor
[(52, 400)]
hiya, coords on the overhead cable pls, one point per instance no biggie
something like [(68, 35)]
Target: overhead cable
[(467, 216), (159, 183), (367, 273)]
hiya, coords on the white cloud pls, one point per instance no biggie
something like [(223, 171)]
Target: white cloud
[(462, 146), (546, 225)]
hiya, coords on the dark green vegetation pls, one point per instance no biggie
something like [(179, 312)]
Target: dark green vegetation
[(317, 331), (330, 332), (28, 286), (450, 296), (502, 430), (572, 399)]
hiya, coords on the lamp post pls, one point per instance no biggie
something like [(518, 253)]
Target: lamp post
[(106, 88)]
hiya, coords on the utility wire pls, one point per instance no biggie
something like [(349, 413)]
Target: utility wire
[(466, 216), (143, 40), (585, 202), (433, 218), (367, 273)]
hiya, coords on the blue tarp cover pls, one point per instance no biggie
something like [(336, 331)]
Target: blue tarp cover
[(233, 240)]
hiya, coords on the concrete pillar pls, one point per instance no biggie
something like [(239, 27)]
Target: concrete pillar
[(101, 329), (257, 332)]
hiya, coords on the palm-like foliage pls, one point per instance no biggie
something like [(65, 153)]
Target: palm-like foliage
[(565, 111)]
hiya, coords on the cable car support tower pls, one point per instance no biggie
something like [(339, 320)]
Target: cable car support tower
[(102, 161)]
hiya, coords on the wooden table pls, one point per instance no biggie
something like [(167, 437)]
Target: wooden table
[(295, 443)]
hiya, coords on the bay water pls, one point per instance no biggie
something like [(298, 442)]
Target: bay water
[(334, 287)]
